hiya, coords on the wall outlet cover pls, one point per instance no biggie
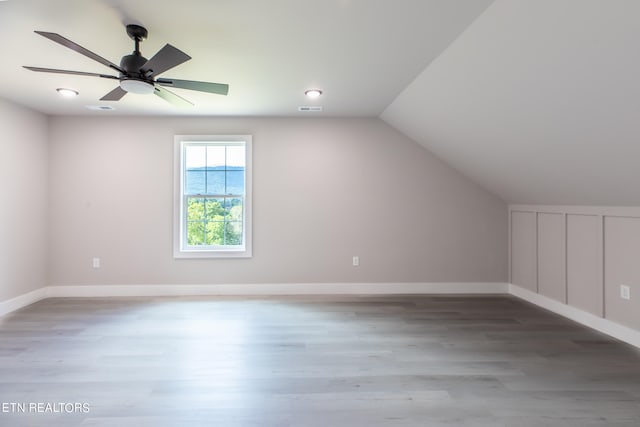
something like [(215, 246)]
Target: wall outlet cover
[(625, 292)]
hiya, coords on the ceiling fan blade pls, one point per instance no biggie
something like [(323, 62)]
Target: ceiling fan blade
[(217, 88), (172, 98), (78, 73), (114, 95), (74, 46), (166, 58)]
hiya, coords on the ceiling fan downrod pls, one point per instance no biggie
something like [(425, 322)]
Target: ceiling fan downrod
[(132, 64)]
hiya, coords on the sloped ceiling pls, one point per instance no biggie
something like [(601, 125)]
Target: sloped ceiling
[(538, 101)]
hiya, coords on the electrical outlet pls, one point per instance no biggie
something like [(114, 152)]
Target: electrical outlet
[(96, 263), (356, 261), (625, 292)]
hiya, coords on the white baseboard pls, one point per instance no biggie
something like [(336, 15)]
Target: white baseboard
[(621, 332), (251, 289), (605, 326), (23, 300), (278, 289)]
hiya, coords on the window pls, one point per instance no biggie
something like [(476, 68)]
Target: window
[(212, 188)]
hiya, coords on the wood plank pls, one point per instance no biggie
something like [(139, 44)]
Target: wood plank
[(314, 361)]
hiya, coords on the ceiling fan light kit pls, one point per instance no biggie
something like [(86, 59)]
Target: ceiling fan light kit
[(137, 74), (136, 86)]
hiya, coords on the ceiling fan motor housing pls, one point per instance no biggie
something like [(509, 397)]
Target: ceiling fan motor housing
[(132, 64)]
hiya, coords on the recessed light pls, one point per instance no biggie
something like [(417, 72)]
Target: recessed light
[(313, 93), (67, 93)]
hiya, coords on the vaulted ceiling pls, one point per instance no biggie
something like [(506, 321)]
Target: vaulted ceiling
[(536, 100)]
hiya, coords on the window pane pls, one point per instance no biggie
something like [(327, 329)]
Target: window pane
[(214, 210), (195, 209), (195, 182), (234, 209), (235, 156), (195, 156), (195, 233), (215, 182), (234, 233), (215, 157), (235, 182), (215, 233)]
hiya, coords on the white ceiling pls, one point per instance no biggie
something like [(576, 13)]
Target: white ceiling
[(362, 53), (537, 100)]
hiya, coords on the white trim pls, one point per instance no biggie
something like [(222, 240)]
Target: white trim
[(251, 289), (622, 211), (180, 251), (621, 332), (279, 289), (23, 300)]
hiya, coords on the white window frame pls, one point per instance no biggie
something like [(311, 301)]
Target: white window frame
[(180, 248)]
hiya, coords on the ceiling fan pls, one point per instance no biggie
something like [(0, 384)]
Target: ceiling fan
[(138, 74)]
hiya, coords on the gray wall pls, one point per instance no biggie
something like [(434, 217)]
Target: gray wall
[(24, 203), (324, 191), (579, 255)]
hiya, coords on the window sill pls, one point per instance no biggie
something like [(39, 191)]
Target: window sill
[(204, 254)]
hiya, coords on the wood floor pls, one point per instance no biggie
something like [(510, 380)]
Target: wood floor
[(313, 361)]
